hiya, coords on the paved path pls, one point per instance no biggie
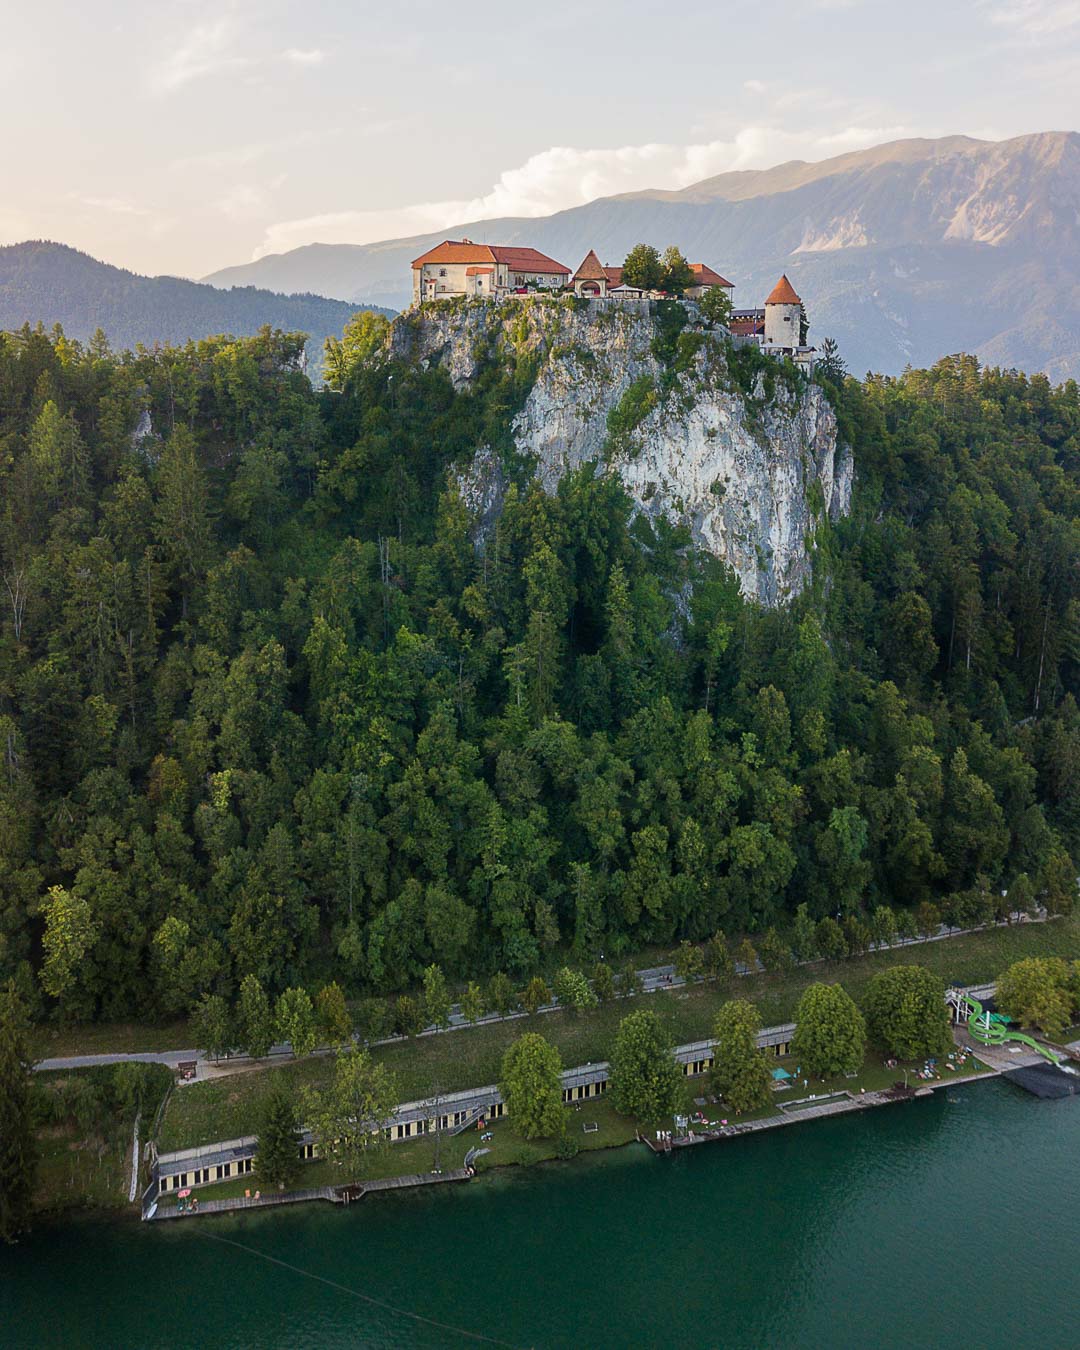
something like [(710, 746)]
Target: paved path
[(653, 978), (336, 1195)]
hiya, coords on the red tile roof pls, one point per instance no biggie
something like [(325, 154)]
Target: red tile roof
[(614, 276), (590, 269), (465, 251), (526, 260), (479, 271), (705, 276), (746, 327), (783, 293), (455, 251)]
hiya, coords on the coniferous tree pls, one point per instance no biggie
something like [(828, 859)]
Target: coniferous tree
[(277, 1153)]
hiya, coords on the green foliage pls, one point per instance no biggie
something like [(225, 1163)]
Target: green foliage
[(346, 1118), (69, 932), (603, 982), (255, 1019), (775, 954), (572, 990), (278, 1150), (212, 1025), (408, 1015), (502, 997), (531, 1087), (717, 960), (646, 1080), (746, 956), (1039, 992), (266, 710), (676, 275), (472, 1002), (362, 340), (906, 1013), (689, 961), (18, 1144), (626, 416), (295, 1021), (535, 995), (829, 940), (436, 997), (643, 268), (715, 306), (332, 1014), (830, 1033), (804, 935), (740, 1071)]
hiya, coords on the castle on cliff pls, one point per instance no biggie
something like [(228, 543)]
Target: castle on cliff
[(464, 268)]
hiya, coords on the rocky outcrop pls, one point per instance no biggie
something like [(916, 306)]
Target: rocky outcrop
[(749, 463)]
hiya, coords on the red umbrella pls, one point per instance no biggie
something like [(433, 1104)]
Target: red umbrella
[(183, 1195)]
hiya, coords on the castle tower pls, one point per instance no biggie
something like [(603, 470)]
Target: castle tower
[(783, 315)]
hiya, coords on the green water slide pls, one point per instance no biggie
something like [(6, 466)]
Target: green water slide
[(988, 1029)]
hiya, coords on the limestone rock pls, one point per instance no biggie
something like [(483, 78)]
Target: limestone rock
[(750, 473)]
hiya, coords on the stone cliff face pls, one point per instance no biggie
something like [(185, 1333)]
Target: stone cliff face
[(749, 470)]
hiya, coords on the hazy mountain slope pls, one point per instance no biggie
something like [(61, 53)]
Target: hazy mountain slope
[(56, 284), (903, 252)]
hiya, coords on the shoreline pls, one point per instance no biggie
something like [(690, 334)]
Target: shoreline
[(826, 1108)]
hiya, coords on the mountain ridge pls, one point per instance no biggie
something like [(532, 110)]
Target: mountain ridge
[(904, 251), (49, 282)]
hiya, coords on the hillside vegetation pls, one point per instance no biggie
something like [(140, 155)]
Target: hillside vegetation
[(264, 708), (47, 283)]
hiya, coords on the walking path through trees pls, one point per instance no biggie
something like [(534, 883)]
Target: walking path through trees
[(652, 978)]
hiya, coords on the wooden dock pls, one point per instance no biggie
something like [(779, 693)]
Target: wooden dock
[(336, 1195)]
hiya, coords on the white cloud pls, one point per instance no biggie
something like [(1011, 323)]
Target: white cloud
[(561, 177), (215, 49), (1035, 19), (206, 52), (300, 57), (117, 206)]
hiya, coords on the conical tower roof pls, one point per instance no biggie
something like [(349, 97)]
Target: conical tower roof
[(590, 269), (783, 293)]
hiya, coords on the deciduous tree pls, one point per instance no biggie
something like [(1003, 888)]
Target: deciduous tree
[(531, 1087), (906, 1012), (830, 1034), (646, 1080), (740, 1071)]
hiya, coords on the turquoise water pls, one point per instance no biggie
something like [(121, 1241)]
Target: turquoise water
[(947, 1221)]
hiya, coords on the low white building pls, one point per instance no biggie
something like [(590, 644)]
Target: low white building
[(460, 267)]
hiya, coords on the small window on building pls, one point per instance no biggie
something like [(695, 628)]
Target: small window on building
[(442, 271)]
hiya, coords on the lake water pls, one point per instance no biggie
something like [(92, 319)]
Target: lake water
[(946, 1221)]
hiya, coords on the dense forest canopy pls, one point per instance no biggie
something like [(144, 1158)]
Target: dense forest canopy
[(266, 709)]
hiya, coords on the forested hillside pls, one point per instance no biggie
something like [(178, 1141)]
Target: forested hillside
[(42, 282), (265, 709)]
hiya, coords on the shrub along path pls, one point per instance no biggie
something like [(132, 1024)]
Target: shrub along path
[(226, 1108)]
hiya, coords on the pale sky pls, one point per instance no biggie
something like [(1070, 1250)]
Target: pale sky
[(188, 136)]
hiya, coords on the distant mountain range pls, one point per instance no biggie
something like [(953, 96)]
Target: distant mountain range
[(904, 252), (52, 283)]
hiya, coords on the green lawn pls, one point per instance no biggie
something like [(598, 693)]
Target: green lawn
[(104, 1038), (205, 1112)]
